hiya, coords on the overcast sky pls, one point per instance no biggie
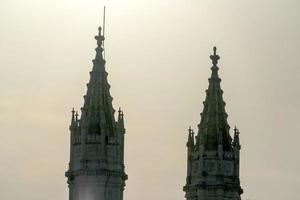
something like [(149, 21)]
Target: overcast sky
[(158, 63)]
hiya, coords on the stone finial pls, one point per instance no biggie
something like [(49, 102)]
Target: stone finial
[(215, 57), (99, 37)]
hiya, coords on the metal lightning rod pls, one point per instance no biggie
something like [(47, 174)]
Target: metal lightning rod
[(104, 30)]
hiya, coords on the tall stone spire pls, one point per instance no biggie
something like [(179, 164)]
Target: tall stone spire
[(96, 169), (97, 112), (213, 161)]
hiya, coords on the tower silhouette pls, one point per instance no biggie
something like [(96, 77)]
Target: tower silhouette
[(212, 156), (96, 168)]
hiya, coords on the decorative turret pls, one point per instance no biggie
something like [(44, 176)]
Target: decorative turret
[(213, 162), (191, 141), (73, 121), (76, 118), (236, 139), (190, 147), (121, 118)]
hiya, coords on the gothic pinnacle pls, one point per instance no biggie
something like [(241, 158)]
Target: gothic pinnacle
[(190, 137), (76, 116), (190, 129), (236, 139), (120, 114), (73, 115), (235, 129)]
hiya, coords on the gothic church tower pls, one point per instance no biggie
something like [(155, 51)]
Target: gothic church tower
[(96, 167), (212, 156)]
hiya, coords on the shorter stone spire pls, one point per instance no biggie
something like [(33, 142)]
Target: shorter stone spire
[(213, 128)]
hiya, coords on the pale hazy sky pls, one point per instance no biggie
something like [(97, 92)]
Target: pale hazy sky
[(158, 62)]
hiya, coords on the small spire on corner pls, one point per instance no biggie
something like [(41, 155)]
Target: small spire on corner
[(73, 112), (73, 116), (190, 141), (191, 132), (76, 116), (235, 129), (190, 129), (121, 114), (236, 139)]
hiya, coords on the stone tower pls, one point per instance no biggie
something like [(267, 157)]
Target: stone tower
[(212, 156), (96, 167)]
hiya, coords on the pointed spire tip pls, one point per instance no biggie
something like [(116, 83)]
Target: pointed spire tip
[(215, 57)]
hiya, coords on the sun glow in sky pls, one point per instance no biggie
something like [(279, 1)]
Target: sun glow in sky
[(158, 62)]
